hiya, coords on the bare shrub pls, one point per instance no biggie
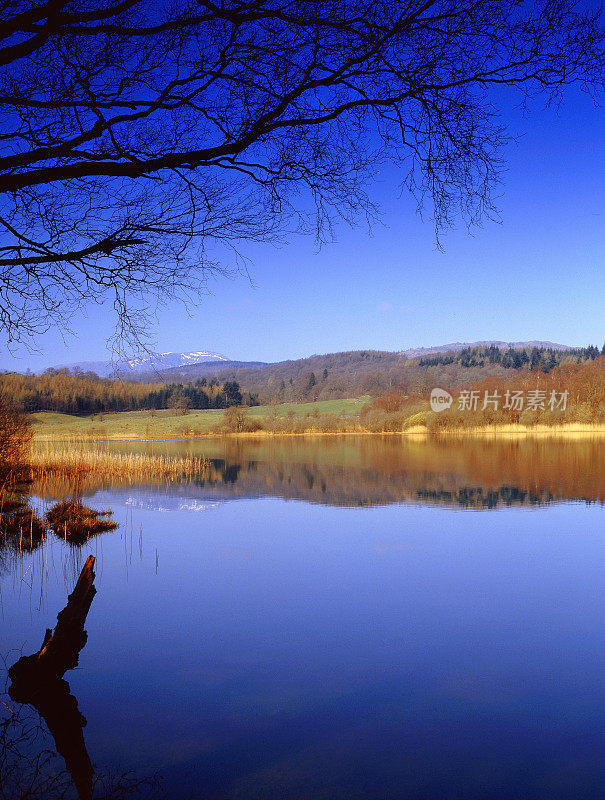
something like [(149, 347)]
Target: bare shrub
[(236, 420)]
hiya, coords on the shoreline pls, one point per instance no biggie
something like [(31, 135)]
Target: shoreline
[(573, 430)]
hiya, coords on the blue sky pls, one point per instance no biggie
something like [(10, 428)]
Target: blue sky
[(537, 275)]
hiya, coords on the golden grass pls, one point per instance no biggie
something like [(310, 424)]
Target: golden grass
[(76, 522), (568, 430), (308, 427), (22, 529), (68, 473), (137, 466), (65, 472)]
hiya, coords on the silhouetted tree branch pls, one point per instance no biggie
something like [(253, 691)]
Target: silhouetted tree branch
[(136, 135)]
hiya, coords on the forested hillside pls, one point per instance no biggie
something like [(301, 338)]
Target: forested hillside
[(327, 377), (373, 372), (86, 393)]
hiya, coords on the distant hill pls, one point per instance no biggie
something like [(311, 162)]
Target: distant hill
[(200, 363), (206, 380), (454, 347), (360, 372), (151, 363), (192, 372), (349, 357), (353, 373)]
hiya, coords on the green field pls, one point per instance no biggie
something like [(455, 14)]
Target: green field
[(170, 424)]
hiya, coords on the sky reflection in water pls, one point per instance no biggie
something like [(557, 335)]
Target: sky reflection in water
[(273, 649)]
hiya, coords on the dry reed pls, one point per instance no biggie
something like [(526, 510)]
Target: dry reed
[(135, 467), (77, 523)]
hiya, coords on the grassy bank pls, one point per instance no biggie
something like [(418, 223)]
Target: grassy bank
[(173, 425), (287, 420)]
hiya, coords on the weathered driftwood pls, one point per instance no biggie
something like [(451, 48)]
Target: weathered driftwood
[(38, 680), (61, 647)]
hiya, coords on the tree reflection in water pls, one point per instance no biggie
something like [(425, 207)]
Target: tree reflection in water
[(28, 768)]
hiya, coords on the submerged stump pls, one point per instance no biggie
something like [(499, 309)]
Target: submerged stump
[(37, 680)]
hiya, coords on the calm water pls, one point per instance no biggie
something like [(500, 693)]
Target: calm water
[(324, 619)]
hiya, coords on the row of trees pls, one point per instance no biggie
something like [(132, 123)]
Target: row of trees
[(582, 384), (62, 391), (534, 358)]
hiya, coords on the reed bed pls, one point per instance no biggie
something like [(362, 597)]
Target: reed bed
[(67, 475), (137, 467), (23, 529), (77, 523)]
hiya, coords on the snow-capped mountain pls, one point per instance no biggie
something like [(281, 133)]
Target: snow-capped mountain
[(167, 360), (150, 362)]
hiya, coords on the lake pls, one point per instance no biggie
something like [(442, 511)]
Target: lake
[(328, 618)]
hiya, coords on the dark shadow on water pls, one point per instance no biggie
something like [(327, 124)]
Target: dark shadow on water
[(37, 682)]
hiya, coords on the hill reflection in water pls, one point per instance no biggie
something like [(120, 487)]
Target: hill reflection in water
[(368, 471), (269, 649)]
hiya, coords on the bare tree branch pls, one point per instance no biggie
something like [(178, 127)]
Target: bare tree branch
[(135, 137)]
